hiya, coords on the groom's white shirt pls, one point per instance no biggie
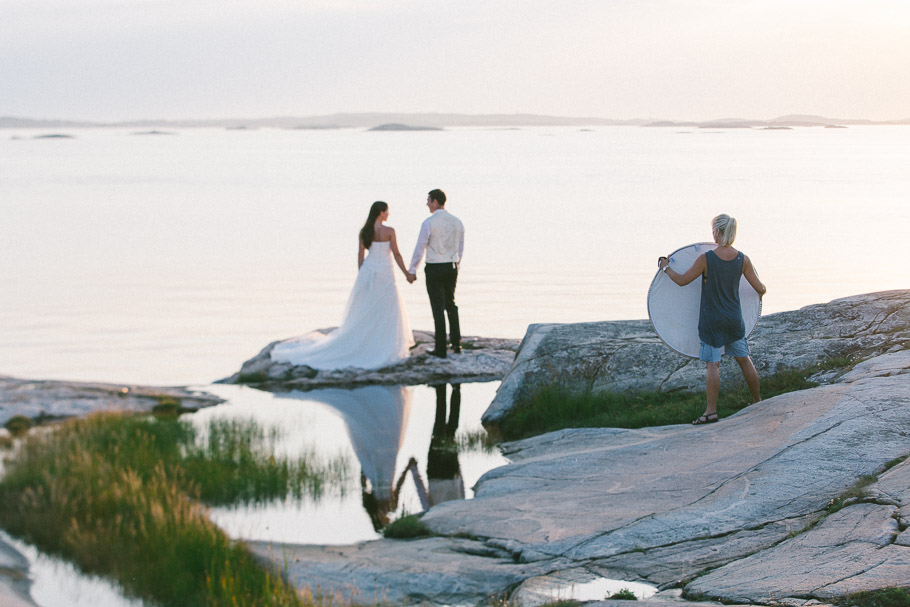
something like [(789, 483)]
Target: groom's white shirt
[(441, 238)]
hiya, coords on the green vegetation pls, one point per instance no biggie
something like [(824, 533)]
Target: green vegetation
[(894, 462), (259, 377), (18, 425), (810, 522), (484, 441), (886, 597), (167, 406), (120, 496), (856, 492), (407, 527), (558, 405), (836, 362), (562, 603), (624, 594)]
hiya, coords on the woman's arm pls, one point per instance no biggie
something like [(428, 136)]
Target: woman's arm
[(360, 252), (396, 253), (752, 276), (697, 269)]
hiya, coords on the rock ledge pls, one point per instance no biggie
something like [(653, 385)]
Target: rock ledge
[(481, 359), (628, 355)]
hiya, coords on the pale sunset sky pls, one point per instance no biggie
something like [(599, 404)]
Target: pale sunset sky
[(113, 60)]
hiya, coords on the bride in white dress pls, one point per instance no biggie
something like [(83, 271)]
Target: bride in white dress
[(375, 331)]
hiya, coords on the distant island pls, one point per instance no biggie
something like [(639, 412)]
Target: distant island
[(396, 126), (393, 121)]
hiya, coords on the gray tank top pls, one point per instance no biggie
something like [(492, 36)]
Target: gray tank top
[(720, 317)]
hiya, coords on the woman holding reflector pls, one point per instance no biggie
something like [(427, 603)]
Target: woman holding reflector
[(720, 318)]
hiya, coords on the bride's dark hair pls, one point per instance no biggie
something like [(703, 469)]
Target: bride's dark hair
[(367, 232)]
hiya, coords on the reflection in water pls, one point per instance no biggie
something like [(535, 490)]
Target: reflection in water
[(376, 418), (398, 441), (444, 480)]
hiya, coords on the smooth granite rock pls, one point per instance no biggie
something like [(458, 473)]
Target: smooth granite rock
[(718, 510), (441, 571), (54, 399), (481, 359), (628, 355)]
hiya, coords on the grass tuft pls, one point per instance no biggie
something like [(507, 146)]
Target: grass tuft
[(483, 441), (259, 377), (886, 597), (407, 527), (120, 496), (623, 594), (855, 492), (894, 462), (18, 425), (809, 523)]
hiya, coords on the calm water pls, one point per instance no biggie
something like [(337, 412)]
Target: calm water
[(172, 258), (380, 431)]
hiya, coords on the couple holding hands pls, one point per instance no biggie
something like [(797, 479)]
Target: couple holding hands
[(375, 331)]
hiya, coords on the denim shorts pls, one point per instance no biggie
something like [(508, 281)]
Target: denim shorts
[(710, 354)]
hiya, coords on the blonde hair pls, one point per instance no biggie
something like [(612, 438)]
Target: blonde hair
[(724, 225)]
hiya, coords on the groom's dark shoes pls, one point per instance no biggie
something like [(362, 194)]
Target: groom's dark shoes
[(456, 348), (437, 354)]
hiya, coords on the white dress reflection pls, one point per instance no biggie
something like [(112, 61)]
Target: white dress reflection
[(376, 419)]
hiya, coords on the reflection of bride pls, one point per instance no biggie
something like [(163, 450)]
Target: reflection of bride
[(376, 418), (375, 331)]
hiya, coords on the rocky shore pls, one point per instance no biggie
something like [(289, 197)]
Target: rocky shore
[(740, 511), (45, 399), (627, 355), (481, 359), (798, 499)]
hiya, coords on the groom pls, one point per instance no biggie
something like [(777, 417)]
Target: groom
[(442, 239)]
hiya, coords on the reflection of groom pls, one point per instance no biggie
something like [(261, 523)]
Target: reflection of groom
[(442, 239)]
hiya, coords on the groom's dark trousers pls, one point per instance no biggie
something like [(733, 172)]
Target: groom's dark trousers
[(441, 279)]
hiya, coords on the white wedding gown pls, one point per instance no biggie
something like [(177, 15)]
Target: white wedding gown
[(375, 331)]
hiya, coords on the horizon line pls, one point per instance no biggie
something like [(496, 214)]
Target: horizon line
[(576, 120)]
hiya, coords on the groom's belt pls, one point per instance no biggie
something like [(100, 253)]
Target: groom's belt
[(442, 264)]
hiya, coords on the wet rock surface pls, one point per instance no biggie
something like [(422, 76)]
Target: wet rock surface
[(56, 399), (481, 359), (628, 355), (734, 511)]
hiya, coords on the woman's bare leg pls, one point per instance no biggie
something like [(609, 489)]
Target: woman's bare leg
[(751, 376), (712, 387)]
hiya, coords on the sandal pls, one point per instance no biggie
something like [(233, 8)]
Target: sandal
[(707, 418)]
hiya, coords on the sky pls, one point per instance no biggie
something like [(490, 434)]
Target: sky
[(111, 60)]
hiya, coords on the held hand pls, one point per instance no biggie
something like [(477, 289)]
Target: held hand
[(411, 278), (662, 262)]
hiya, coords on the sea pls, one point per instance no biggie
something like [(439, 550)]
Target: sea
[(170, 257)]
